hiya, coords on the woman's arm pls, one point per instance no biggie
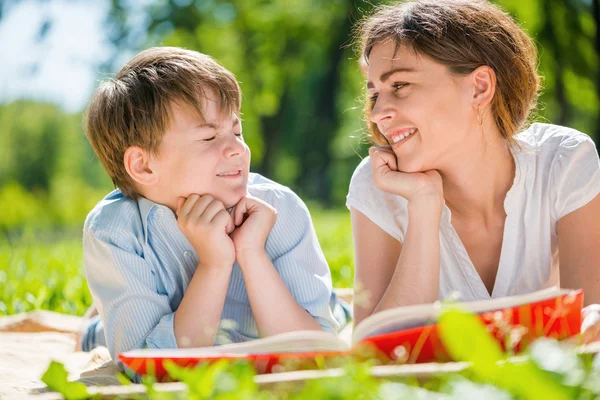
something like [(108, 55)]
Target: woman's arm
[(390, 274), (579, 250)]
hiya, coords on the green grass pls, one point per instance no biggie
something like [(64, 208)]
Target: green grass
[(43, 276), (48, 274)]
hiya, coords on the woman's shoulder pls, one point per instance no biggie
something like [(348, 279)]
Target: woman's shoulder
[(566, 163), (387, 210), (549, 138), (363, 174)]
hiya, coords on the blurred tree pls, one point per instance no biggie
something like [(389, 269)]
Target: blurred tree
[(287, 54), (565, 32), (300, 83)]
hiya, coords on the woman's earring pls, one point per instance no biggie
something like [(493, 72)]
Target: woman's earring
[(479, 116)]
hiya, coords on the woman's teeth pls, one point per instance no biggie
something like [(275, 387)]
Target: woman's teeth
[(402, 136), (229, 173)]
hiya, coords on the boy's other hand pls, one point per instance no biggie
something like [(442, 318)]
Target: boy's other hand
[(253, 219), (206, 223)]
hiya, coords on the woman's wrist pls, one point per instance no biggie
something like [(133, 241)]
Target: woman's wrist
[(426, 209)]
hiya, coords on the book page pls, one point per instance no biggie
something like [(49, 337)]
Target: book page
[(290, 342), (401, 318)]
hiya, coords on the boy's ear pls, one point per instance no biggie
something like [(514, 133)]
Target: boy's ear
[(484, 85), (138, 166)]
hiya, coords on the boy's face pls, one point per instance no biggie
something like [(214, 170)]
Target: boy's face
[(197, 157)]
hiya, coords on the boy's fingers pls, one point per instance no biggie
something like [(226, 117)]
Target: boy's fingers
[(200, 206), (239, 210), (180, 202), (189, 204), (211, 210), (222, 218)]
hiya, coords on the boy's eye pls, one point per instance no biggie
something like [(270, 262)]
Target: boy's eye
[(209, 139), (239, 134), (374, 97)]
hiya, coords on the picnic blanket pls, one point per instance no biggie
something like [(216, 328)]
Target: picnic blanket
[(30, 341)]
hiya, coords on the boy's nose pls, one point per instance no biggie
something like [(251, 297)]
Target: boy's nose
[(235, 148)]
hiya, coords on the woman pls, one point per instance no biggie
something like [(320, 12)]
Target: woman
[(457, 196)]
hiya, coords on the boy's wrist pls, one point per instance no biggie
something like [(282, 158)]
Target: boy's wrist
[(251, 256), (216, 267)]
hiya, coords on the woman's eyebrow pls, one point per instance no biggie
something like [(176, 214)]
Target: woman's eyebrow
[(386, 75)]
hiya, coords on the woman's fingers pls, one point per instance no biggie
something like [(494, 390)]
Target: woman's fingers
[(383, 156)]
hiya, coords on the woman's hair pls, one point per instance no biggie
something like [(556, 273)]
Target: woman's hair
[(463, 35)]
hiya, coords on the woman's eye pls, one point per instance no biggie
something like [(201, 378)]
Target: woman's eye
[(374, 98), (399, 85), (239, 134), (209, 139)]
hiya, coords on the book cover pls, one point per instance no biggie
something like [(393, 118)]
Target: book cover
[(400, 335)]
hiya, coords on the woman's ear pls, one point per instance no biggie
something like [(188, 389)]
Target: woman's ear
[(484, 86), (138, 166)]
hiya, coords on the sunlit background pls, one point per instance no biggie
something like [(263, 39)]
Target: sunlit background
[(302, 110)]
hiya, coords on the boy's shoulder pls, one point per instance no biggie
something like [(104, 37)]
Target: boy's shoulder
[(114, 215), (279, 196)]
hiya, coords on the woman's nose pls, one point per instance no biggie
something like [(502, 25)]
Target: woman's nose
[(382, 110)]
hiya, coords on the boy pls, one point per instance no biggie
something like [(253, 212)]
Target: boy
[(190, 237)]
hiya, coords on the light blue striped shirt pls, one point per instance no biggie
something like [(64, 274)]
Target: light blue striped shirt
[(138, 265)]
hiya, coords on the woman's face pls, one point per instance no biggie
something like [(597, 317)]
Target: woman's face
[(424, 111)]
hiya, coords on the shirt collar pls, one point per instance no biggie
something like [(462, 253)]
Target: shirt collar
[(146, 206)]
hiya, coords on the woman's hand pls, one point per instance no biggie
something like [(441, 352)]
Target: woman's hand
[(411, 186), (590, 327)]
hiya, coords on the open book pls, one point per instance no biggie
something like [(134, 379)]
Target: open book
[(406, 333)]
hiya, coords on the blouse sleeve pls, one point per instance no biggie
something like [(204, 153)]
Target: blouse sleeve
[(574, 174), (386, 210)]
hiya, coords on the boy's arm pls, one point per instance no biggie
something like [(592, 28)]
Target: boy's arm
[(134, 311), (291, 289), (275, 309)]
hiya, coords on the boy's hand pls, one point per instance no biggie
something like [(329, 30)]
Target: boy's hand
[(254, 220), (206, 224)]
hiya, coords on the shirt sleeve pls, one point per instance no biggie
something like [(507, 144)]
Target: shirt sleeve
[(575, 174), (296, 254), (134, 313), (386, 210)]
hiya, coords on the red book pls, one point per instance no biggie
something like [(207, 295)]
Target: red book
[(403, 334)]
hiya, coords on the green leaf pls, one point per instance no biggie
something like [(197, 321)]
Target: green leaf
[(55, 378), (466, 339)]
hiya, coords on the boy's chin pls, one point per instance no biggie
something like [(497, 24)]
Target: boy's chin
[(232, 200)]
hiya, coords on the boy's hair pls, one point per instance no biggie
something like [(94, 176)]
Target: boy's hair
[(133, 108), (463, 35)]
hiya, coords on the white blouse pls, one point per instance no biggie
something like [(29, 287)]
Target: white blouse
[(557, 171)]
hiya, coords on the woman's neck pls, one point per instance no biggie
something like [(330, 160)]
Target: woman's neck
[(475, 186)]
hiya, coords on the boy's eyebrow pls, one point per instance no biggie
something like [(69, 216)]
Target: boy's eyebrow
[(212, 125), (385, 76)]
